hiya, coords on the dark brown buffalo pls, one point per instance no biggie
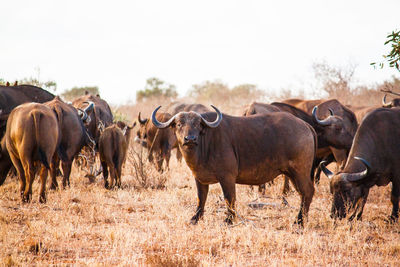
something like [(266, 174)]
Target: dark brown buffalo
[(74, 136), (113, 145), (158, 142), (161, 142), (349, 124), (374, 159), (332, 131), (101, 114), (12, 96), (32, 137), (245, 150)]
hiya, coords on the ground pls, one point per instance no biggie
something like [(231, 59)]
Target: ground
[(87, 224)]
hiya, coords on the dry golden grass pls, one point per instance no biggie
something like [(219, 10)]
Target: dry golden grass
[(147, 223), (89, 225)]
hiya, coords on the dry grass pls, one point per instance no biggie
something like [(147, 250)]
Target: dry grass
[(89, 225), (147, 223)]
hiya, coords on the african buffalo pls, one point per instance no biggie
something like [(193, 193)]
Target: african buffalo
[(373, 160), (362, 111), (74, 136), (101, 114), (32, 136), (113, 144), (12, 96), (245, 150), (158, 142), (161, 142)]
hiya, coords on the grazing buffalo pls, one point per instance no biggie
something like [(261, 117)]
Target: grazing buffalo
[(74, 136), (12, 96), (245, 150), (32, 136), (158, 142), (113, 145), (374, 159)]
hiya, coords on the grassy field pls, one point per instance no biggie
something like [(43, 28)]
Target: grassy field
[(89, 225)]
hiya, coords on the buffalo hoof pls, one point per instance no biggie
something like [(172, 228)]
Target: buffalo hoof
[(42, 199), (195, 219), (299, 222), (229, 220), (26, 198)]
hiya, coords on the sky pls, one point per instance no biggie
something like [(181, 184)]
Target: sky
[(117, 45)]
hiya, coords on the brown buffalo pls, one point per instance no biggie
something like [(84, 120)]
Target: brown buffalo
[(101, 114), (32, 136), (101, 117), (245, 150), (74, 136), (373, 160), (158, 142), (362, 111), (113, 144), (349, 121), (12, 96)]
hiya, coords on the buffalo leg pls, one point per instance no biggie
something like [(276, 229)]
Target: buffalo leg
[(30, 176), (53, 172), (229, 190), (118, 173), (21, 174), (285, 189), (202, 191), (43, 178), (105, 173), (395, 202), (66, 166), (305, 188)]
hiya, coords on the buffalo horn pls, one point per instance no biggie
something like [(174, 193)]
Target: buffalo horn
[(82, 114), (324, 122), (140, 120), (327, 172), (354, 177), (89, 107), (217, 121), (384, 104), (158, 124)]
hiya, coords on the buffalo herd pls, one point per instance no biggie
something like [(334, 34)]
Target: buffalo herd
[(40, 133)]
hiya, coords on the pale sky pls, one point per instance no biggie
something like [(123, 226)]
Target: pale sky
[(117, 45)]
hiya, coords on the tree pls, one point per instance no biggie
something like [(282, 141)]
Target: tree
[(156, 88), (393, 57), (76, 92)]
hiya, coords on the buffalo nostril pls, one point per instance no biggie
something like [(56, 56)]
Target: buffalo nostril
[(190, 138)]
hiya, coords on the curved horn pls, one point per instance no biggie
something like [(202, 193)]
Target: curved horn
[(354, 177), (324, 122), (140, 120), (326, 171), (82, 114), (89, 107), (160, 125), (217, 121), (331, 111), (384, 104)]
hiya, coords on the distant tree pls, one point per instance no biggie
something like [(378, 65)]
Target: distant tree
[(393, 57), (156, 88), (210, 91), (76, 92), (335, 81)]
